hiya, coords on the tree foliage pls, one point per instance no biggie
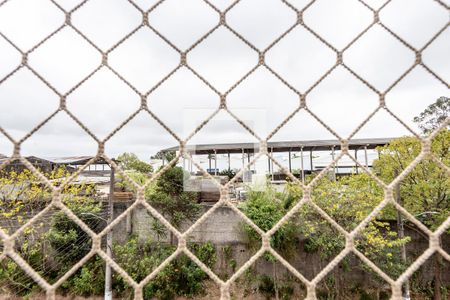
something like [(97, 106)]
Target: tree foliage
[(425, 190), (434, 115), (265, 208), (169, 196), (130, 161), (165, 155)]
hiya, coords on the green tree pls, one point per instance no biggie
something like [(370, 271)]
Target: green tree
[(425, 190), (130, 161), (434, 115)]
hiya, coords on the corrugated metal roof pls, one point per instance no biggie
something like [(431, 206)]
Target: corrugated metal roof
[(73, 160)]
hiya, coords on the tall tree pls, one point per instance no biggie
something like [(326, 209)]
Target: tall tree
[(425, 191)]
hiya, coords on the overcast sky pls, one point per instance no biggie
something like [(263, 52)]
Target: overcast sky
[(183, 101)]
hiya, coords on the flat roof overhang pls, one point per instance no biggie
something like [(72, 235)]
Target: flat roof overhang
[(312, 145)]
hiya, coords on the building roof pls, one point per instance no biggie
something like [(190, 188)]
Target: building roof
[(70, 160), (315, 145)]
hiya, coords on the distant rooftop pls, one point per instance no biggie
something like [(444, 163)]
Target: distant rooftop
[(69, 160), (314, 145)]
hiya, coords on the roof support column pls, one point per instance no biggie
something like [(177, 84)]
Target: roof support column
[(215, 162), (229, 162), (311, 160), (365, 157), (271, 163), (209, 163), (302, 165), (334, 164), (356, 158), (290, 164)]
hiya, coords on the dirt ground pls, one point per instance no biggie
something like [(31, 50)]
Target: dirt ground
[(237, 293)]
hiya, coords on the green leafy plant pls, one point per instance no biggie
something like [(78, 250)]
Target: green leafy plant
[(181, 277)]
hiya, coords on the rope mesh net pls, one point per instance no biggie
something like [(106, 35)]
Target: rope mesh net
[(56, 202)]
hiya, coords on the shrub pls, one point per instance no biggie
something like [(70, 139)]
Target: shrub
[(181, 277)]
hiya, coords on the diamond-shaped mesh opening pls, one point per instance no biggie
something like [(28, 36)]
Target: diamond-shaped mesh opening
[(310, 62), (111, 104), (265, 25), (113, 22), (31, 28), (60, 71), (407, 101), (129, 145), (341, 27), (199, 102), (253, 102), (227, 55), (143, 71), (328, 97), (411, 9), (382, 62), (189, 21)]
